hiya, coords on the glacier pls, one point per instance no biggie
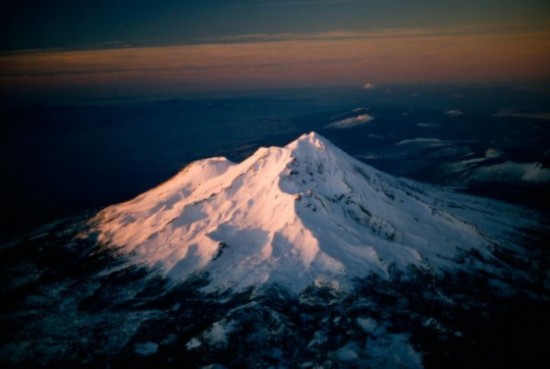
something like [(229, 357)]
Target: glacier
[(301, 215)]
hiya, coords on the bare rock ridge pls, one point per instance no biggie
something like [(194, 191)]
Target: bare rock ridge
[(300, 214)]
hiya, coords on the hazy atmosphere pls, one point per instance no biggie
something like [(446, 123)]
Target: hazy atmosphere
[(97, 48), (275, 184)]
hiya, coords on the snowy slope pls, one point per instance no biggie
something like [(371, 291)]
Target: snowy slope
[(301, 214)]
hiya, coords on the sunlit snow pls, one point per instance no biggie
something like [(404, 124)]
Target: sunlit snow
[(296, 215)]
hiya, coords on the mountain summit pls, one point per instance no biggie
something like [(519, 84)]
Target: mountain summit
[(302, 214)]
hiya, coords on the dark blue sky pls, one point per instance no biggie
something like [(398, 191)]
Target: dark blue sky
[(35, 24)]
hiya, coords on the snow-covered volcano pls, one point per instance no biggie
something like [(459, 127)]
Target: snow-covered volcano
[(296, 215)]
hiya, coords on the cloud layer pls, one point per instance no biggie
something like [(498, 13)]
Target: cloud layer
[(515, 114), (351, 122), (513, 172), (286, 60), (454, 113), (424, 141)]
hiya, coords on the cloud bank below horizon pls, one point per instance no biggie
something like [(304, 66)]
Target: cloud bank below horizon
[(351, 122)]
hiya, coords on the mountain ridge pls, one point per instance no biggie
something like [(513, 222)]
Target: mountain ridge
[(300, 214)]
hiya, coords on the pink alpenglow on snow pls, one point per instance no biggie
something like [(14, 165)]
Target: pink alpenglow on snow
[(302, 214)]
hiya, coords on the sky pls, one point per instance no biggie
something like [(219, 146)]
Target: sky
[(117, 48)]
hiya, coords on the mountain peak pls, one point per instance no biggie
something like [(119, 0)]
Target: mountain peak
[(306, 213), (309, 142), (312, 138)]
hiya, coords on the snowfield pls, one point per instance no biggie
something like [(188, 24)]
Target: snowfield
[(299, 257), (300, 215)]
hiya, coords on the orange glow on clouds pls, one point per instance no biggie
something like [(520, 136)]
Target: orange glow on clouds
[(326, 59)]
